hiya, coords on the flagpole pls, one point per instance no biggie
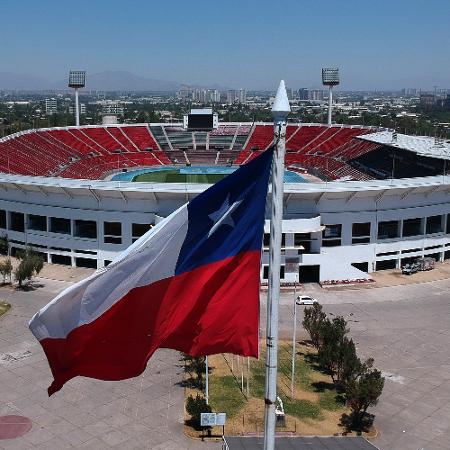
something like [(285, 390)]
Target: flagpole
[(280, 111)]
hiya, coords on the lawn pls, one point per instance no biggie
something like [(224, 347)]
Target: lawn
[(315, 408), (173, 176)]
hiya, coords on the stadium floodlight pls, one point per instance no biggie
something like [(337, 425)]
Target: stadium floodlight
[(330, 78), (77, 80)]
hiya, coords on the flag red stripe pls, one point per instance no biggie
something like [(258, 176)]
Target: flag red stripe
[(178, 312)]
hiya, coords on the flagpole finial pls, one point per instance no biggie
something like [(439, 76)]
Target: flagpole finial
[(281, 107)]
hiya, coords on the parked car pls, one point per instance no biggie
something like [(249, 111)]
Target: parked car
[(305, 300), (425, 263), (410, 268), (419, 264)]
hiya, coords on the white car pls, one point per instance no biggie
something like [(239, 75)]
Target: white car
[(305, 300)]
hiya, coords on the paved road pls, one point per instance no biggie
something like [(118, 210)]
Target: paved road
[(405, 328)]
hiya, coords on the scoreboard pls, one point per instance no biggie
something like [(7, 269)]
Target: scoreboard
[(201, 119)]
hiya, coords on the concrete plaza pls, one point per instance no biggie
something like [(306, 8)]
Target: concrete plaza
[(404, 327)]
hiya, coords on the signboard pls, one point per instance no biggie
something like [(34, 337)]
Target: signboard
[(207, 419), (212, 419), (221, 419)]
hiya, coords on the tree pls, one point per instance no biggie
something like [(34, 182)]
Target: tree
[(195, 366), (6, 269), (313, 321), (30, 265), (4, 245), (337, 353), (362, 392), (194, 407)]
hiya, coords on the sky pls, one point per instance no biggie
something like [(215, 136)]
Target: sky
[(377, 44)]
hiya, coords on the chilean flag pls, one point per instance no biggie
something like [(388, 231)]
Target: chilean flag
[(191, 284)]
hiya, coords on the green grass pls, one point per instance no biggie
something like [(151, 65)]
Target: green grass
[(173, 176), (225, 395), (304, 379), (302, 409)]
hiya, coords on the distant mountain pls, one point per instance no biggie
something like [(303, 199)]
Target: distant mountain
[(124, 81), (18, 81)]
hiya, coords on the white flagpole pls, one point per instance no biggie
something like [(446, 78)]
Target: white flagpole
[(280, 111)]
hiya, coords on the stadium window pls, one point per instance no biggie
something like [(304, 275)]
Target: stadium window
[(3, 219), (266, 272), (85, 229), (37, 223), (112, 232), (17, 221), (61, 259), (331, 243), (86, 262), (59, 225), (448, 223), (412, 227), (303, 240), (361, 229), (388, 229), (331, 235), (332, 231), (138, 230), (361, 233), (267, 240), (434, 224)]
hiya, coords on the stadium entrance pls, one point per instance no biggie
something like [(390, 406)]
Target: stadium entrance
[(309, 274)]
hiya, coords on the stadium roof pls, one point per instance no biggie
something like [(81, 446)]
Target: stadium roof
[(421, 145)]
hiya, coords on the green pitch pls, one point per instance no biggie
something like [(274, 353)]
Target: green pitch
[(173, 176)]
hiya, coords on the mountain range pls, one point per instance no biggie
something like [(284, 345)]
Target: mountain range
[(104, 81)]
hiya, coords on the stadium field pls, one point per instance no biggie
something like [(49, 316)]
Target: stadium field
[(174, 176), (189, 175)]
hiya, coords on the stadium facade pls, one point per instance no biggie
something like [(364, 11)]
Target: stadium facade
[(379, 204)]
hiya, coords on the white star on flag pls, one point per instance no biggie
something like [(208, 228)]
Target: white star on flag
[(223, 215)]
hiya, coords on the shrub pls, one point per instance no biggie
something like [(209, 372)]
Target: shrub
[(6, 269), (194, 407), (362, 392), (313, 321), (195, 366), (30, 265), (4, 245)]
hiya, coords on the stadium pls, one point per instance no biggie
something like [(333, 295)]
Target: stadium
[(367, 197)]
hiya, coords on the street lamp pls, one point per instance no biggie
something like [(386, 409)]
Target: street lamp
[(77, 80), (330, 78)]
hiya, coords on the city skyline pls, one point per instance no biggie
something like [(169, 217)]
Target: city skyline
[(249, 46)]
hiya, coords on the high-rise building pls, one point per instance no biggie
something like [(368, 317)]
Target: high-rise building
[(303, 94), (236, 96), (316, 94), (213, 96), (82, 109), (290, 93), (51, 106)]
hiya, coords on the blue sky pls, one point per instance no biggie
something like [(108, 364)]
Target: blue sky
[(378, 44)]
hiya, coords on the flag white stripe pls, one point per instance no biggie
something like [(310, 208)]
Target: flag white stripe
[(153, 257)]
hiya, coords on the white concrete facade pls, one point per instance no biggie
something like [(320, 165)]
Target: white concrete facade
[(320, 239)]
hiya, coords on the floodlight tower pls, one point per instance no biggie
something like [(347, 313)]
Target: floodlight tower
[(77, 80), (330, 78)]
